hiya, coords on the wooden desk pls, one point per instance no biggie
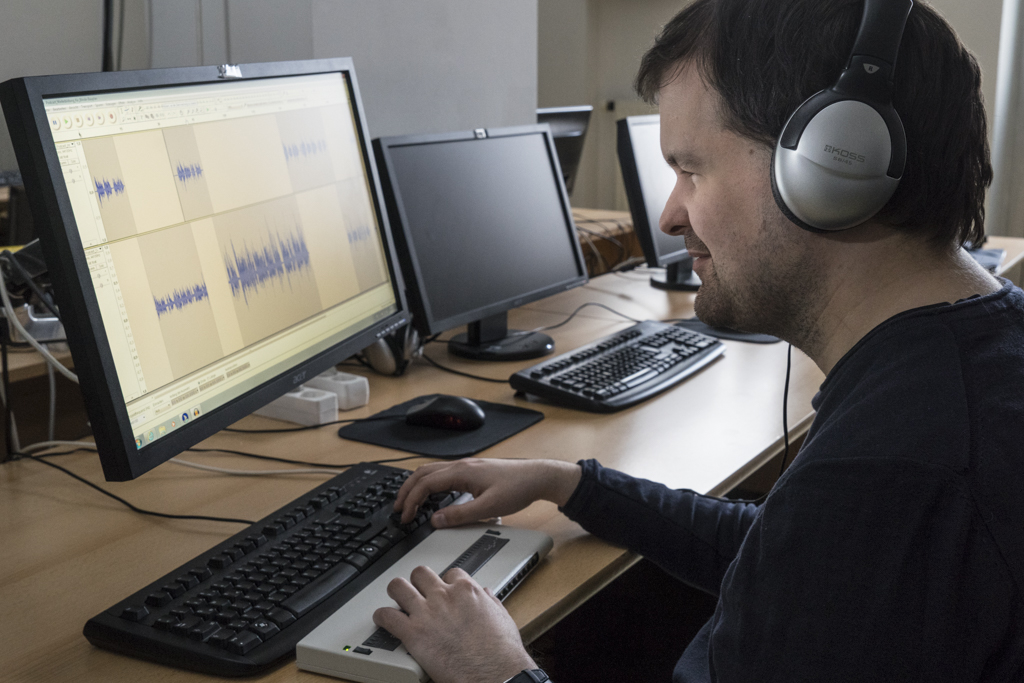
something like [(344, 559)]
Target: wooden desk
[(69, 553)]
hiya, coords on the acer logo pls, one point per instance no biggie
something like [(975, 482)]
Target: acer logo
[(297, 379), (844, 154)]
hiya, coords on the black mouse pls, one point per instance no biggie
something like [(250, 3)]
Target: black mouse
[(446, 412)]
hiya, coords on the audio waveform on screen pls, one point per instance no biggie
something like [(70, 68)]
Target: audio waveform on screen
[(188, 172), (304, 149), (180, 298), (275, 262), (108, 188), (360, 234)]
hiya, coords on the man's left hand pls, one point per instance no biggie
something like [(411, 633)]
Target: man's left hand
[(456, 630)]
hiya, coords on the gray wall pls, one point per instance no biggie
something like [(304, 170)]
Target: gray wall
[(423, 65)]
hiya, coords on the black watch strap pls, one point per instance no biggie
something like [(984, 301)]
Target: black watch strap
[(529, 676)]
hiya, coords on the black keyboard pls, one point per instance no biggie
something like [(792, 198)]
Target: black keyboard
[(241, 607), (620, 370)]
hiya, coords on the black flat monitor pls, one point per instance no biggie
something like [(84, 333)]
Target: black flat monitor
[(482, 225), (215, 236), (649, 181), (569, 128)]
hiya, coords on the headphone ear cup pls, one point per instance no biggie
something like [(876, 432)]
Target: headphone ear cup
[(412, 342), (390, 355), (831, 166)]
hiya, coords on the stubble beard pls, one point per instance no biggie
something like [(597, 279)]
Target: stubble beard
[(774, 294)]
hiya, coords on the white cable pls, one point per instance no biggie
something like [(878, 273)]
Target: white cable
[(13, 319), (43, 445), (253, 473)]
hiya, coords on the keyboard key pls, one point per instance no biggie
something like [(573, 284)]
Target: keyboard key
[(158, 599), (135, 613), (264, 629), (304, 600), (203, 630), (243, 642), (221, 637)]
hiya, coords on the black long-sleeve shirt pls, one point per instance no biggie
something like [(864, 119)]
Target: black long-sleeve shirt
[(892, 549)]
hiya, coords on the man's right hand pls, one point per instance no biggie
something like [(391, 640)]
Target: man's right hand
[(499, 487)]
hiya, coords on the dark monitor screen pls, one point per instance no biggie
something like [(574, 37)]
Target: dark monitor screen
[(482, 224), (569, 128), (214, 236), (649, 180)]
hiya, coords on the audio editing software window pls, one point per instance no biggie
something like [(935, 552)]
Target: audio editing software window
[(229, 231)]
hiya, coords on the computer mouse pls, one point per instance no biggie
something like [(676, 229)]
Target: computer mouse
[(446, 412)]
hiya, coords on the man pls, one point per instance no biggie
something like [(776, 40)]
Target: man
[(890, 549)]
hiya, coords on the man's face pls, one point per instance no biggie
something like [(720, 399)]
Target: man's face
[(757, 275)]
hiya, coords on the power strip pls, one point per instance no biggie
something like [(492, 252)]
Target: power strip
[(317, 401), (353, 391), (303, 406)]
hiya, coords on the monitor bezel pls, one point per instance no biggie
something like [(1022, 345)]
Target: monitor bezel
[(643, 226), (423, 318), (62, 248)]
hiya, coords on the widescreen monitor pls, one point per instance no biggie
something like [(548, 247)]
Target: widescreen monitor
[(649, 180), (215, 236), (569, 128), (482, 224)]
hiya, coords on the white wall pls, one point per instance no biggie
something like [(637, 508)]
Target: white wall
[(423, 65), (43, 37), (590, 50)]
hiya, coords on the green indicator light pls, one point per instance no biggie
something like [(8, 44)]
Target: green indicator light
[(347, 648)]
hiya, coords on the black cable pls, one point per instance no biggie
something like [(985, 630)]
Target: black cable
[(8, 415), (785, 411), (8, 258), (108, 35), (309, 427), (608, 238), (133, 508), (785, 437), (459, 372), (580, 308), (273, 458), (120, 34)]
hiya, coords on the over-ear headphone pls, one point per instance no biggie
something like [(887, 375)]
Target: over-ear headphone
[(841, 154), (391, 354)]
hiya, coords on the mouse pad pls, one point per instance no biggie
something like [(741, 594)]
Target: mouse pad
[(502, 422)]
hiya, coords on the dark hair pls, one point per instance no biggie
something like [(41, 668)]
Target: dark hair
[(765, 57)]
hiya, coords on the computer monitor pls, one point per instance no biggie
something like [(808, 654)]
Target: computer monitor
[(569, 128), (649, 181), (482, 224), (215, 236)]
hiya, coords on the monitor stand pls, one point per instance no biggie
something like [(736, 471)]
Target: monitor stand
[(490, 339), (679, 277)]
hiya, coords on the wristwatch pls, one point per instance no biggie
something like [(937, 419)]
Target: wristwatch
[(529, 676)]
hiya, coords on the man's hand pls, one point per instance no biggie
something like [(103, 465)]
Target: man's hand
[(456, 630), (499, 487)]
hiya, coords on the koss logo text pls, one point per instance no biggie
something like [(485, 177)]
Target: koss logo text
[(844, 155)]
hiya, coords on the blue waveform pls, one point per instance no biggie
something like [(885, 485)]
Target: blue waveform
[(305, 148), (180, 298), (108, 188), (278, 259), (187, 172), (360, 234)]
